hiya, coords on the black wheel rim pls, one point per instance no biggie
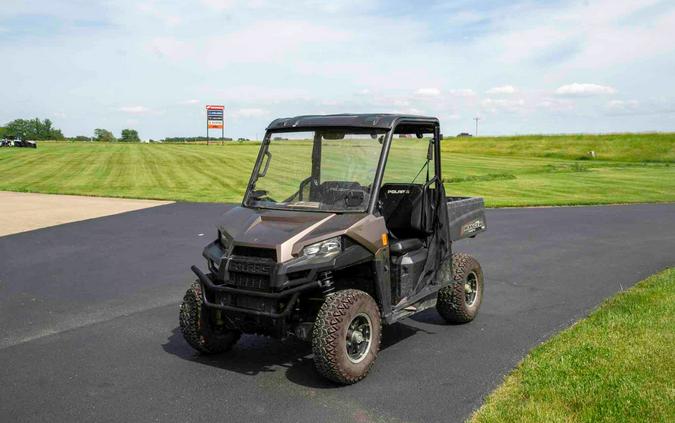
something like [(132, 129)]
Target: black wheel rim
[(471, 289), (359, 338)]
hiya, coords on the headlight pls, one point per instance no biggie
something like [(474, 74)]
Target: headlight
[(225, 239), (326, 247)]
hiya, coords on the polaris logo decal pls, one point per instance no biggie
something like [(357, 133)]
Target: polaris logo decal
[(398, 191), (248, 267), (473, 226)]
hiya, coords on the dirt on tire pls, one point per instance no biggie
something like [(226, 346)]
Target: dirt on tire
[(330, 333), (451, 301), (197, 331)]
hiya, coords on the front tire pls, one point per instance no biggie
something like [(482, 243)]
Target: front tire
[(346, 336), (459, 302), (198, 331)]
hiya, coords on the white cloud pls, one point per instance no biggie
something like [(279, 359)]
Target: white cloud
[(252, 112), (428, 92), (623, 105), (134, 109), (556, 104), (584, 90), (191, 101), (591, 35), (504, 89), (648, 107), (462, 92), (502, 105), (364, 91), (409, 111), (270, 41)]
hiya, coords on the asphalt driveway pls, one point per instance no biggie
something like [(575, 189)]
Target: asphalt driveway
[(89, 314)]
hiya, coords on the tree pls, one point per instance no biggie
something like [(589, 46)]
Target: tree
[(33, 129), (103, 135), (129, 135)]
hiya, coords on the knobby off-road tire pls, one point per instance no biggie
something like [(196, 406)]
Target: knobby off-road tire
[(455, 302), (342, 315), (196, 327)]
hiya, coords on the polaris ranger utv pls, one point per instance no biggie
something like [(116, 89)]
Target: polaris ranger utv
[(345, 225)]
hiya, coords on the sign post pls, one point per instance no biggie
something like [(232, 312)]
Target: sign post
[(215, 120)]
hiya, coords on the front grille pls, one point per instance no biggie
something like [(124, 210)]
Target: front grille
[(249, 280), (261, 253)]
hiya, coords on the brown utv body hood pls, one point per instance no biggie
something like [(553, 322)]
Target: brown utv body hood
[(288, 231)]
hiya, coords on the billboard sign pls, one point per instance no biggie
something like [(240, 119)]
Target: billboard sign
[(215, 119)]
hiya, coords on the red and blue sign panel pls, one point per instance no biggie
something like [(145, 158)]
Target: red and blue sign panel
[(214, 116)]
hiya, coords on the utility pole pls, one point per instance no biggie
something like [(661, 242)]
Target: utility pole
[(476, 119)]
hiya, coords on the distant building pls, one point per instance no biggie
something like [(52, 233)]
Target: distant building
[(464, 134)]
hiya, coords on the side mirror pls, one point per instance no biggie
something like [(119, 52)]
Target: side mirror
[(419, 135)]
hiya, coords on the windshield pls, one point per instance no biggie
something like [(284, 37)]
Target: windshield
[(322, 170)]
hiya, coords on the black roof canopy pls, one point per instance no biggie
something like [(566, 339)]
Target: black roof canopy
[(365, 121)]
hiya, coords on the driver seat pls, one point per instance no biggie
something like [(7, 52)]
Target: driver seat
[(403, 209)]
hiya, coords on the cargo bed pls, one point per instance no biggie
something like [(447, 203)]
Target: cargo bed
[(466, 216)]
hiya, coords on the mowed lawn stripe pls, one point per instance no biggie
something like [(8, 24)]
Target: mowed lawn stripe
[(220, 173)]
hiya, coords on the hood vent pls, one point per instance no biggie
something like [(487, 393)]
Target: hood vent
[(260, 253)]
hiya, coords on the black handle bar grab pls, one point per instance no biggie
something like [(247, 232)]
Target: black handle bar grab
[(267, 164)]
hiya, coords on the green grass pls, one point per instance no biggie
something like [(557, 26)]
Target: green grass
[(617, 365), (509, 171), (654, 147)]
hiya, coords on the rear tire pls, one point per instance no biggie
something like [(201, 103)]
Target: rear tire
[(346, 336), (196, 325), (459, 302)]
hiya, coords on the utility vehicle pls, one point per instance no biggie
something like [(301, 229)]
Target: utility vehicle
[(345, 226)]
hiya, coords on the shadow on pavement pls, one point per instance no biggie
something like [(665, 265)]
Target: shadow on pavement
[(253, 355)]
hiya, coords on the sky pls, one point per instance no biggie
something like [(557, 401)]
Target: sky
[(522, 67)]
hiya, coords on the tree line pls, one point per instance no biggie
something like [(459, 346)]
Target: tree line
[(40, 130), (127, 135), (31, 129)]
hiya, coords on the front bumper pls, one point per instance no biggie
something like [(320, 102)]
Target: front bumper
[(208, 286)]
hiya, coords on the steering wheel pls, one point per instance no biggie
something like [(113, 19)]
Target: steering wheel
[(302, 186)]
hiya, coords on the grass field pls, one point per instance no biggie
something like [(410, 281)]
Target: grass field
[(650, 147), (617, 365), (510, 171)]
